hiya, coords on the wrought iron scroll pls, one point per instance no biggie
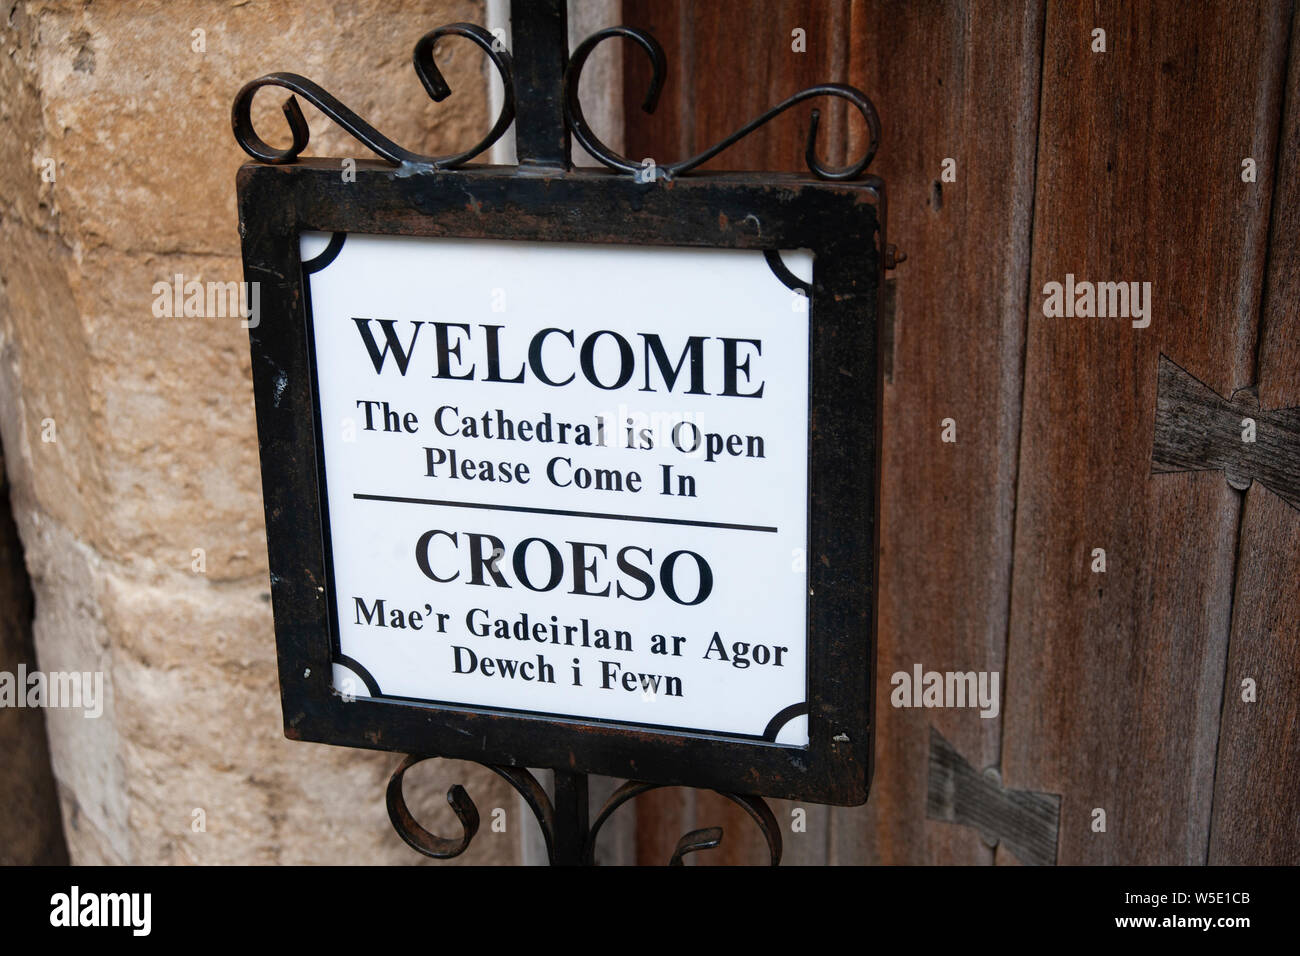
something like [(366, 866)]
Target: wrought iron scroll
[(535, 796), (441, 848), (430, 77), (704, 839), (436, 86), (577, 122)]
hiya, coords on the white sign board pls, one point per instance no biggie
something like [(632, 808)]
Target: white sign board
[(568, 480)]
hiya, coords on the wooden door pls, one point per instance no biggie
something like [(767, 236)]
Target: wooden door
[(1121, 689)]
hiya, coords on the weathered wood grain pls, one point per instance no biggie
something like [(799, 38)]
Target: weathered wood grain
[(663, 817), (1256, 815), (1115, 679), (1025, 822), (727, 64), (1198, 430), (958, 81)]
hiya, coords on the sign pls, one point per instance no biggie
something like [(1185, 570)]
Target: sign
[(572, 498), (573, 471)]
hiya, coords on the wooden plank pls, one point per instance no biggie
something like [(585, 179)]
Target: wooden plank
[(1256, 802), (727, 64), (956, 80), (1256, 815), (665, 135), (662, 818), (1115, 678)]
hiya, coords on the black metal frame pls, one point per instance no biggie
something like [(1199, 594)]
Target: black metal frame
[(544, 199)]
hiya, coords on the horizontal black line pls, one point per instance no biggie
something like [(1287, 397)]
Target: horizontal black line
[(583, 718), (568, 514)]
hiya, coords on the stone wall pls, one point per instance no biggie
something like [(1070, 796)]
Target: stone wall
[(130, 440)]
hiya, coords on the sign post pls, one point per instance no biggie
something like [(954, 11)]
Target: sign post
[(569, 468)]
